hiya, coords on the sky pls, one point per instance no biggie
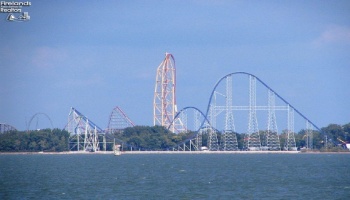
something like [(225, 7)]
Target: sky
[(95, 55)]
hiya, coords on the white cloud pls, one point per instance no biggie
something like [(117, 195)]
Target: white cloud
[(334, 35)]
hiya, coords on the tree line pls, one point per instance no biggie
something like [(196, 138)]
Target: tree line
[(54, 140), (149, 137), (331, 138)]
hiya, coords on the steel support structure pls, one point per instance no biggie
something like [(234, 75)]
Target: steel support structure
[(254, 142), (213, 143), (290, 141), (229, 136), (183, 119), (164, 104), (252, 139), (91, 142), (6, 127), (118, 121), (194, 144), (84, 134), (199, 140), (199, 131), (203, 131), (273, 141), (196, 120), (309, 135)]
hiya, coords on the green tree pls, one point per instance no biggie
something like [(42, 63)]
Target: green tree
[(346, 129), (334, 132), (42, 140)]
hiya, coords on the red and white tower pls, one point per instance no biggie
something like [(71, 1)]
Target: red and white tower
[(164, 104)]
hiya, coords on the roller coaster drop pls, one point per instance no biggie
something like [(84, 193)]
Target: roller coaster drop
[(221, 102), (217, 124), (255, 139), (87, 136)]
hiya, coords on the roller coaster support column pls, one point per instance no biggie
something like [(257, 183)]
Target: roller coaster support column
[(273, 141), (254, 142), (309, 135), (229, 135), (290, 142), (212, 135)]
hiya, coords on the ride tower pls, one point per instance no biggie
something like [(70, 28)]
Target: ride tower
[(164, 104)]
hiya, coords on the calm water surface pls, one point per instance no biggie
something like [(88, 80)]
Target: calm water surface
[(203, 176)]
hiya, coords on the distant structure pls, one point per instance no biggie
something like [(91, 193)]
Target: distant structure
[(36, 116), (233, 103), (164, 104), (84, 134), (6, 127), (118, 121)]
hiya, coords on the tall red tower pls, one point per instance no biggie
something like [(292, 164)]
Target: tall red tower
[(164, 104)]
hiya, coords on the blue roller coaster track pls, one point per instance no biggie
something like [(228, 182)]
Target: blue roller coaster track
[(268, 87), (206, 114)]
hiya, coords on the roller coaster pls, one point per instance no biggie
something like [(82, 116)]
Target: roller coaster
[(220, 112), (238, 103), (228, 100), (6, 127), (235, 104), (36, 116), (85, 135)]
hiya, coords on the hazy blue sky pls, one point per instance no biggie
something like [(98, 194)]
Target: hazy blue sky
[(95, 55)]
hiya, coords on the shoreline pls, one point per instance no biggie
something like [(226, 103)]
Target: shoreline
[(165, 152)]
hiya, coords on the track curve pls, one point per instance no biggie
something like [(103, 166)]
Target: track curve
[(186, 108), (36, 114), (267, 86)]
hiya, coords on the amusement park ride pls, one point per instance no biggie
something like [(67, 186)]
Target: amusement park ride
[(164, 104), (232, 106), (227, 111)]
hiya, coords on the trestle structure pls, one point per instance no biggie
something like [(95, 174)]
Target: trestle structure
[(183, 119), (254, 142), (221, 109), (199, 140), (213, 143), (290, 141), (197, 119), (6, 127), (84, 134), (254, 139), (118, 121), (164, 103), (229, 136), (198, 133), (272, 137), (221, 112), (91, 142), (309, 136)]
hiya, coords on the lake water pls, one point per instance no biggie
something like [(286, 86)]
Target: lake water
[(175, 176)]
